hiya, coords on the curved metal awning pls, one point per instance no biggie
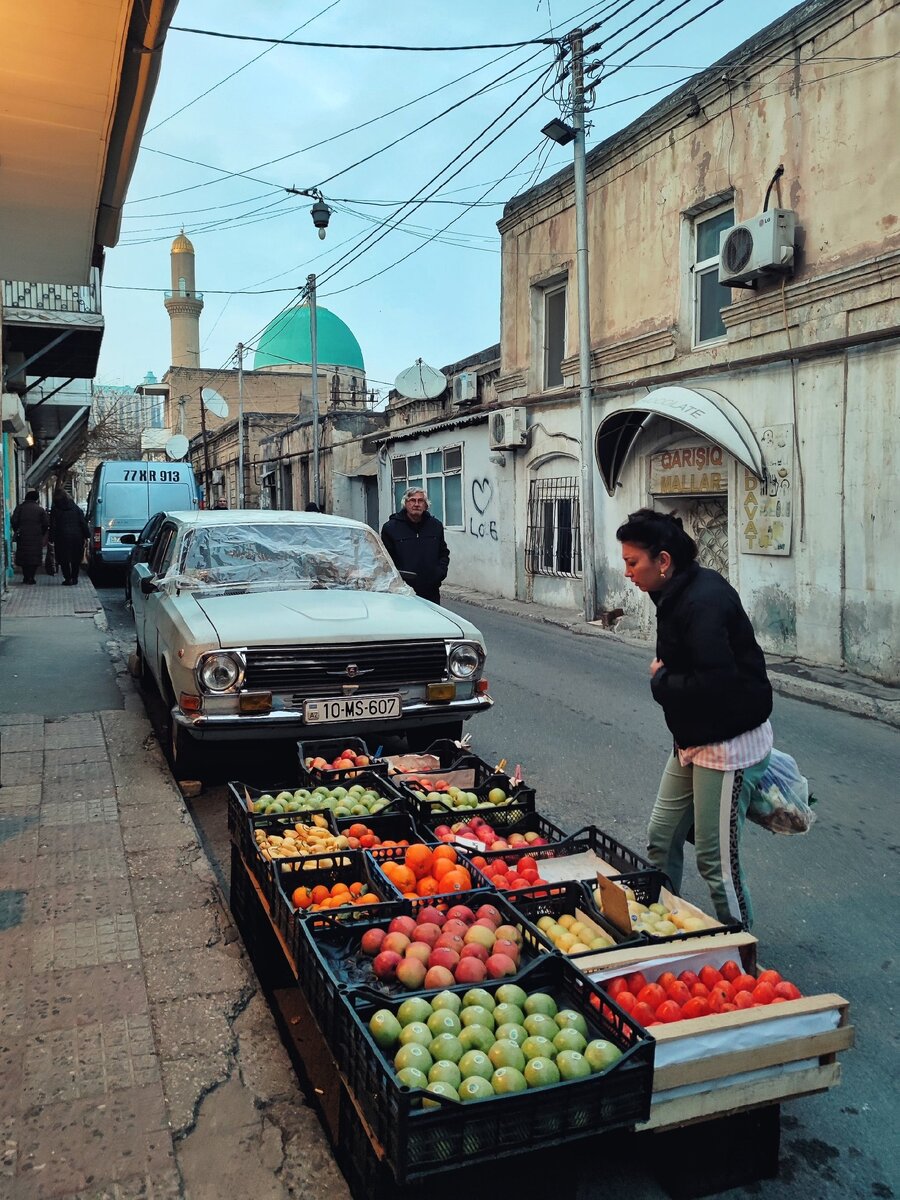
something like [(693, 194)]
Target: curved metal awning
[(703, 411)]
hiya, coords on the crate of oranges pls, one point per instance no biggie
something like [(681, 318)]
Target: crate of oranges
[(387, 831), (348, 884), (423, 871)]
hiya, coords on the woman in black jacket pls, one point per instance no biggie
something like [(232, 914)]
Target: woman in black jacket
[(29, 525), (709, 675), (69, 531)]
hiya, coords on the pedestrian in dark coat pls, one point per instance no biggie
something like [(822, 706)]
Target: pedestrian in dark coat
[(69, 531), (709, 676), (29, 525), (415, 541)]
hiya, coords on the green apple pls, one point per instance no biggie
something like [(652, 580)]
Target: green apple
[(412, 1077), (440, 1088), (443, 1020), (446, 1071), (540, 1002), (446, 1000), (538, 1047), (570, 1039), (497, 796), (480, 997), (414, 1009), (511, 993), (385, 1028), (540, 1025), (475, 1014), (504, 1053), (511, 1033), (413, 1055), (508, 1079), (540, 1072), (445, 1047), (572, 1065), (475, 1062), (508, 1014), (475, 1088), (601, 1054), (477, 1037), (567, 1018), (416, 1031)]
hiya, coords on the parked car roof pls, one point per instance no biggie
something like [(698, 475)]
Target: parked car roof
[(259, 516)]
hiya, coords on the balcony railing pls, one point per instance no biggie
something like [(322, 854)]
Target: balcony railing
[(54, 297), (185, 295)]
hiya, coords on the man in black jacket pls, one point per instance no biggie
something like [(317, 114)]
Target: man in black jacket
[(415, 541)]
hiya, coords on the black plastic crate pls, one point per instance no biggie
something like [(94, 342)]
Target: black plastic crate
[(383, 854), (453, 757), (557, 899), (521, 803), (329, 749), (394, 826), (621, 858), (533, 822), (346, 866), (242, 795), (244, 827), (647, 886), (420, 1141), (329, 962)]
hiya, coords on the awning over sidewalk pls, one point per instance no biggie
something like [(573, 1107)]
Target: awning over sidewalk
[(703, 411), (65, 438)]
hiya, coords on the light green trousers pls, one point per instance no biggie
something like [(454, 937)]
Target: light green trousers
[(715, 803)]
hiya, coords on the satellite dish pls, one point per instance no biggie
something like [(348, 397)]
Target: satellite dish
[(213, 402), (420, 382), (177, 446)]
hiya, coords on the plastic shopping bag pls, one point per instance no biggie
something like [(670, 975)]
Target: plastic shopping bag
[(780, 800)]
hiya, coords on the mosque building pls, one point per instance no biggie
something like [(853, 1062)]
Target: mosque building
[(274, 389)]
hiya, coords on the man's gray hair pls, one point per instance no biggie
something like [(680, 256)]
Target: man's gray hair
[(415, 491)]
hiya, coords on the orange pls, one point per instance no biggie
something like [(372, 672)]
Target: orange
[(369, 898), (357, 889), (427, 886), (444, 852), (358, 830), (418, 859), (404, 879), (319, 893), (441, 867), (456, 881), (389, 866), (301, 898)]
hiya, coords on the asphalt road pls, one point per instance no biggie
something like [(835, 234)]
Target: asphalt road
[(577, 714)]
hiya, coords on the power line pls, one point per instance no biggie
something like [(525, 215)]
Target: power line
[(247, 37)]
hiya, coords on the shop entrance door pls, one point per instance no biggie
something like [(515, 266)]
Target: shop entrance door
[(706, 521)]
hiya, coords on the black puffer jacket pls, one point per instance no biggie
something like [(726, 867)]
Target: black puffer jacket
[(420, 548), (713, 685), (68, 526)]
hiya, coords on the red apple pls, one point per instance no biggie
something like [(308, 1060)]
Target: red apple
[(370, 943), (461, 912), (470, 970), (504, 946), (439, 977), (430, 916), (473, 950), (498, 966), (385, 965), (509, 933), (483, 935), (411, 973), (427, 933), (443, 956), (396, 942), (404, 925), (486, 923), (449, 940), (455, 926), (418, 950)]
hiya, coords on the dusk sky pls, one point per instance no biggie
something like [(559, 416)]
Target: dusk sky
[(303, 116)]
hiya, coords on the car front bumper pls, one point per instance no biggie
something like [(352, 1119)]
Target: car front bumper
[(284, 723)]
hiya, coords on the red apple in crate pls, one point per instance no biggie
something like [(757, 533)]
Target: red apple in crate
[(461, 912), (371, 941), (509, 933), (439, 977), (385, 965), (443, 956), (481, 935), (418, 950), (449, 941), (487, 912), (498, 966), (485, 923), (455, 928), (470, 970), (474, 950), (411, 973), (396, 942), (510, 949), (430, 916), (402, 925), (427, 933)]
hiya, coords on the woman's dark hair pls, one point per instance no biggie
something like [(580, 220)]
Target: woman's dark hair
[(31, 497), (655, 531)]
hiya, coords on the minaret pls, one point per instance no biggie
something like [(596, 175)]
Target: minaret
[(184, 305)]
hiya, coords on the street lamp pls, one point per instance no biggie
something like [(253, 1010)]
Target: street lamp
[(560, 132), (321, 215)]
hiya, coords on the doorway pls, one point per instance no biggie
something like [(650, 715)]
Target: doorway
[(706, 520)]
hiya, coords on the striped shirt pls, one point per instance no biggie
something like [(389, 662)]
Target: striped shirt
[(745, 750)]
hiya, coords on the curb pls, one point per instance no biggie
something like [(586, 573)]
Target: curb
[(825, 695)]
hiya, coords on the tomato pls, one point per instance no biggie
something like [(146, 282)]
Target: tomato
[(723, 989), (668, 1012), (651, 994), (696, 1007), (728, 1008), (689, 978), (678, 991), (643, 1014), (744, 983), (769, 977), (636, 981), (731, 970), (665, 979), (626, 1001), (699, 989), (710, 976), (744, 999), (787, 991), (617, 985), (764, 993)]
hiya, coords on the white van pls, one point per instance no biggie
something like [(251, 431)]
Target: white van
[(123, 497)]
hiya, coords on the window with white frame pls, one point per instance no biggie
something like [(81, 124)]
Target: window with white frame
[(553, 535), (709, 296), (554, 335), (439, 472)]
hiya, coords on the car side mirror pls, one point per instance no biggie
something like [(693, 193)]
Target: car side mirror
[(149, 585), (128, 539)]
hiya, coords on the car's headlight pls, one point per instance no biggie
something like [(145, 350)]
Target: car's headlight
[(466, 660), (220, 671)]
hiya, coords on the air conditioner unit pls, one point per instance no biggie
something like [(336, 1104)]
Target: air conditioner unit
[(755, 248), (508, 430), (465, 387)]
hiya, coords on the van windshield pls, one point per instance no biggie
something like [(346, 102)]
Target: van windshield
[(125, 502)]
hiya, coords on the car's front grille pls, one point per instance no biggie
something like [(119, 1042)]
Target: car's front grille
[(322, 670)]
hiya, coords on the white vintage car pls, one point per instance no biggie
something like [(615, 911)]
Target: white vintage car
[(258, 624)]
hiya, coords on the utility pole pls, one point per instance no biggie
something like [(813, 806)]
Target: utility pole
[(206, 470), (240, 358), (314, 363), (589, 578)]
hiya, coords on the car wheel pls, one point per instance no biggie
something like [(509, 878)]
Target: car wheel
[(186, 755), (421, 739)]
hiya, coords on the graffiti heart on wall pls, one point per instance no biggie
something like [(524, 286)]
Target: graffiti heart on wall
[(482, 497)]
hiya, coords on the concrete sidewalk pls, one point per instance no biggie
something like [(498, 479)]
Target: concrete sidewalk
[(829, 687), (139, 1057)]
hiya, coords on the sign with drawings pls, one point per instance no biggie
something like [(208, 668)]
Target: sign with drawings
[(767, 507), (481, 526)]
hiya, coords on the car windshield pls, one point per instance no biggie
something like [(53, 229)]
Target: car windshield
[(280, 555)]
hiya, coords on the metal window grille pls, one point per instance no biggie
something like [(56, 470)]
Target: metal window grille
[(553, 537)]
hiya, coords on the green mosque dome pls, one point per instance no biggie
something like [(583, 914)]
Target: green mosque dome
[(285, 341)]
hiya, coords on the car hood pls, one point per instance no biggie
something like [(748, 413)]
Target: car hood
[(288, 617)]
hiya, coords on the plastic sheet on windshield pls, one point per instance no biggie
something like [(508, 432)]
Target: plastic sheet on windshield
[(305, 556)]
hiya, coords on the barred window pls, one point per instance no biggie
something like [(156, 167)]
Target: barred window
[(553, 539)]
